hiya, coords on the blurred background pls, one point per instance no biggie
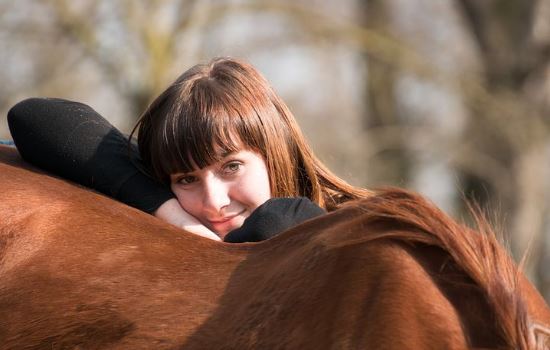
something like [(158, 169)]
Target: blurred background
[(450, 98)]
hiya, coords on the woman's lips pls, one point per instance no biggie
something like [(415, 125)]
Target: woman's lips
[(225, 219), (222, 220)]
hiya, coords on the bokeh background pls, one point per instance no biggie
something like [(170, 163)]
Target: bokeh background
[(450, 97)]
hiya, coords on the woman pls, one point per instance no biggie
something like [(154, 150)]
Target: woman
[(219, 136)]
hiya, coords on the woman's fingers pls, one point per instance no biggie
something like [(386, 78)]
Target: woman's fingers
[(172, 212)]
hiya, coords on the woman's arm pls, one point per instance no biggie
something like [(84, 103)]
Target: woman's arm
[(273, 217), (73, 141), (268, 220)]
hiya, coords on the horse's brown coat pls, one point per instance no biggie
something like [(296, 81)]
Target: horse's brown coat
[(78, 270)]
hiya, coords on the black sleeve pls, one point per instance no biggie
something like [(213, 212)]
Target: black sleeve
[(73, 141), (273, 217)]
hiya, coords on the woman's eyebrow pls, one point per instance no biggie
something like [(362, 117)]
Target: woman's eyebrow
[(186, 173), (226, 153)]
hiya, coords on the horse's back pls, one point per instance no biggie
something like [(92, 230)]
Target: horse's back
[(80, 270)]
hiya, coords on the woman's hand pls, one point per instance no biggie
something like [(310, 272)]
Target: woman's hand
[(172, 212)]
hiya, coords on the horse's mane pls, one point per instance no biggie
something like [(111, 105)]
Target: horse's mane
[(409, 218)]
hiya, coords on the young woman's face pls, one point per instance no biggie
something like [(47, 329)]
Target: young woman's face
[(222, 195)]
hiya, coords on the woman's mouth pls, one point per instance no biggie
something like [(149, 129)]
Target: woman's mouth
[(227, 223)]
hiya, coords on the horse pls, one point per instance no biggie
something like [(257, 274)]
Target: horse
[(392, 271)]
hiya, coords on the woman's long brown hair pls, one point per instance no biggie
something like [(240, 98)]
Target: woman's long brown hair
[(228, 105)]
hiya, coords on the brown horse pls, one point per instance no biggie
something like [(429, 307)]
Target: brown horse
[(78, 270)]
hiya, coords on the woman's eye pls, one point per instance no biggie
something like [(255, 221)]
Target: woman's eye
[(231, 168), (186, 180)]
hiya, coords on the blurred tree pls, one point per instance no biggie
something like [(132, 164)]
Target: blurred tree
[(149, 32), (388, 165), (509, 120), (133, 48), (500, 150)]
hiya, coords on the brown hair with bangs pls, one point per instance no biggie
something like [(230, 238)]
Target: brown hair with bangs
[(227, 104)]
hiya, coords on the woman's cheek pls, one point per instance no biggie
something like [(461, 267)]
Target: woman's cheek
[(186, 200)]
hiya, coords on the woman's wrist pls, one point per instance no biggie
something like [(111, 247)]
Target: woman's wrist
[(172, 212)]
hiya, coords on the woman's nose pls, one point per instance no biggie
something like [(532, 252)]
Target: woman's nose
[(216, 195)]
